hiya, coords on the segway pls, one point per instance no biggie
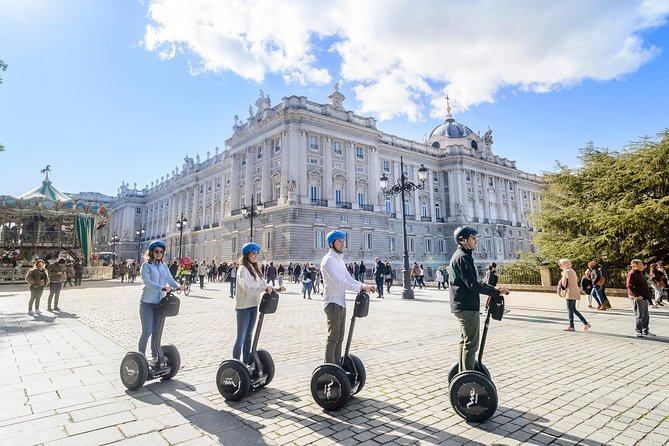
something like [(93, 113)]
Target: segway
[(135, 369), (234, 378), (473, 394), (332, 385)]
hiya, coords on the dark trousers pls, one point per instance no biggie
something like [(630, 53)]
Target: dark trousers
[(470, 322), (571, 311), (77, 279), (336, 317), (201, 281), (379, 285), (54, 290), (35, 295), (641, 315)]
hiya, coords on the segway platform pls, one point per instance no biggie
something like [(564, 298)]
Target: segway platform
[(333, 385), (234, 379)]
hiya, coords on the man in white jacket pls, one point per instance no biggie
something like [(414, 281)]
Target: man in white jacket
[(336, 281)]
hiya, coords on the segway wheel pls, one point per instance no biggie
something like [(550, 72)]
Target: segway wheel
[(134, 370), (479, 367), (267, 365), (473, 396), (360, 373), (233, 380), (173, 359), (330, 387)]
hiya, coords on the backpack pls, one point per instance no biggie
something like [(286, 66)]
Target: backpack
[(601, 279)]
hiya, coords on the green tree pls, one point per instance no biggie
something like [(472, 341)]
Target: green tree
[(613, 208), (3, 67)]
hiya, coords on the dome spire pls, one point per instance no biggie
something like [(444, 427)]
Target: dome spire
[(448, 108)]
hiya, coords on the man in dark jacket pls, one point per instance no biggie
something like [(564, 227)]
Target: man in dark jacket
[(639, 291), (379, 275), (464, 291)]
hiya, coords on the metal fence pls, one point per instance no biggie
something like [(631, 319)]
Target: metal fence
[(519, 276), (18, 275)]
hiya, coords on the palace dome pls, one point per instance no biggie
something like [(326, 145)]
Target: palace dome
[(450, 129)]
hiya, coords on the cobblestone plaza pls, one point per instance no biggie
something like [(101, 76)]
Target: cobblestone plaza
[(60, 384)]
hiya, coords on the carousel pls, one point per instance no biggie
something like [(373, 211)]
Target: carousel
[(46, 224)]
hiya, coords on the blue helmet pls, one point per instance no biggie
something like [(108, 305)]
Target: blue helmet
[(157, 243), (462, 233), (250, 247), (334, 235)]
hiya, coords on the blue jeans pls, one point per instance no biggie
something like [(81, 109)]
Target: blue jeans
[(571, 311), (233, 285), (306, 289), (246, 321), (379, 285), (595, 294), (150, 316)]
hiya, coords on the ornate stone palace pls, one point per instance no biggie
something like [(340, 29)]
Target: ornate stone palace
[(316, 167)]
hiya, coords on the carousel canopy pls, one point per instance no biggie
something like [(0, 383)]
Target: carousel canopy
[(46, 190)]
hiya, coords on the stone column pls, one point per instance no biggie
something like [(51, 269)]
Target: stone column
[(285, 163), (350, 175), (327, 171), (266, 168), (373, 178)]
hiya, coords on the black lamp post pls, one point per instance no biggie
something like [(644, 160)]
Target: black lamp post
[(113, 241), (140, 234), (402, 186), (181, 224), (252, 212)]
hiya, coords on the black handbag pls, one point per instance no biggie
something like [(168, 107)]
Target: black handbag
[(169, 305), (496, 308)]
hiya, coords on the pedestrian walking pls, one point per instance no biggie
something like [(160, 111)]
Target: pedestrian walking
[(201, 272), (78, 273), (362, 270), (658, 281), (123, 270), (598, 278), (306, 282), (250, 287), (568, 287), (464, 293), (639, 292), (270, 274), (37, 277), (69, 274), (158, 282), (231, 277), (415, 274), (390, 275), (439, 278), (421, 276), (56, 277), (379, 275), (336, 281), (586, 286)]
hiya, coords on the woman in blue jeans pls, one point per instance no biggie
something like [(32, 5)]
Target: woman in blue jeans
[(157, 281), (250, 287)]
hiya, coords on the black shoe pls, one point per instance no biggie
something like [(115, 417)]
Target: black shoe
[(56, 309)]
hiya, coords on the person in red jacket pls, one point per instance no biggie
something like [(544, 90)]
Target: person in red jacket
[(639, 291)]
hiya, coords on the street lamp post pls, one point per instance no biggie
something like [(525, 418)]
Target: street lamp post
[(181, 224), (402, 186), (113, 241), (140, 234), (252, 212)]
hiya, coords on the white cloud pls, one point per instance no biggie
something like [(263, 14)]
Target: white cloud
[(401, 57)]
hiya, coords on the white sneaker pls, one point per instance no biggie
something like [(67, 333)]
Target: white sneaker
[(639, 335), (648, 333), (30, 313), (38, 311)]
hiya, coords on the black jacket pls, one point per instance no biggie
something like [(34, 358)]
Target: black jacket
[(379, 270), (465, 285)]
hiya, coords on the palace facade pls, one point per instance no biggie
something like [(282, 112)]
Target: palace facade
[(316, 167)]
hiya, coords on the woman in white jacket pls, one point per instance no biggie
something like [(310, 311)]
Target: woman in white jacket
[(250, 287)]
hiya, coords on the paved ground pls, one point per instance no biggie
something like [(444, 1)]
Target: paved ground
[(59, 374)]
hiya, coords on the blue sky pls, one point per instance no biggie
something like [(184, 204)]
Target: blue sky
[(100, 99)]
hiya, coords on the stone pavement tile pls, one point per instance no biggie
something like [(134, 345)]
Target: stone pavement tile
[(34, 424), (102, 436), (140, 427), (99, 422), (101, 410), (181, 433), (37, 437), (60, 404), (153, 439), (655, 439)]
